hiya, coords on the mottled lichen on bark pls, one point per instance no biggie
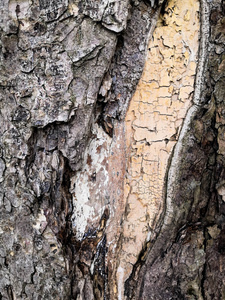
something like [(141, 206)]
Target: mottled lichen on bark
[(54, 57), (46, 126)]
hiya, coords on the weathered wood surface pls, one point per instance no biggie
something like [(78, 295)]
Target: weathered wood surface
[(68, 228)]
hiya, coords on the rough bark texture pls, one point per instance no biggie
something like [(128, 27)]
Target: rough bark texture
[(68, 72)]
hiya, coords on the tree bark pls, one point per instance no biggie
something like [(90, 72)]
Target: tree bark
[(79, 215)]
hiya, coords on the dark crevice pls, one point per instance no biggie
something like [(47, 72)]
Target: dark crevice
[(127, 55), (204, 267)]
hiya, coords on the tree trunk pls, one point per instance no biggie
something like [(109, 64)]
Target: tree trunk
[(112, 149)]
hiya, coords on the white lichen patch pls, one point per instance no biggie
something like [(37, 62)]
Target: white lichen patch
[(19, 9), (41, 222), (73, 8), (82, 211), (89, 187)]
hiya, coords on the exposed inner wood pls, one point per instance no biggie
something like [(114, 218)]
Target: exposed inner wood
[(153, 123)]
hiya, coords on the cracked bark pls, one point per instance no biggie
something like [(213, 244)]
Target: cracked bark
[(68, 72)]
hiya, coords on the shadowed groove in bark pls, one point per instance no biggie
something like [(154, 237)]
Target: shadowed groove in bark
[(130, 52)]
